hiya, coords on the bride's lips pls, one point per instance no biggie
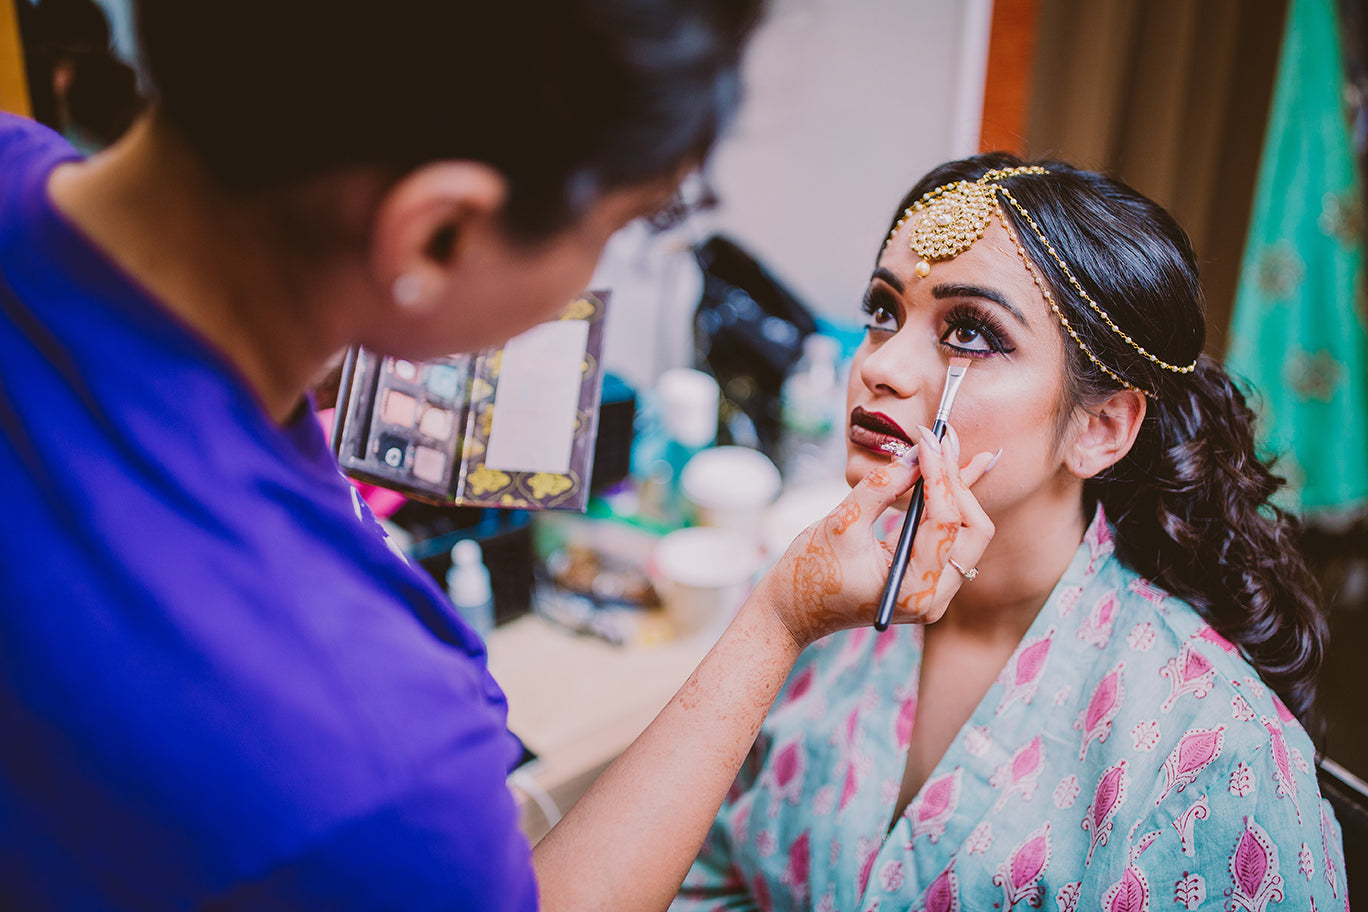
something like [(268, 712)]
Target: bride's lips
[(875, 431)]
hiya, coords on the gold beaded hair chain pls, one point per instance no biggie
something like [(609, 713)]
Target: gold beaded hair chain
[(957, 214)]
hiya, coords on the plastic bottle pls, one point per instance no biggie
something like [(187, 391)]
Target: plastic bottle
[(468, 586), (686, 406), (812, 400)]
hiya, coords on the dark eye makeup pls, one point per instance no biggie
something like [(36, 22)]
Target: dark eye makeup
[(970, 329), (975, 331)]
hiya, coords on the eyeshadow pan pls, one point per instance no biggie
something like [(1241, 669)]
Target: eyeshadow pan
[(444, 381), (436, 422), (399, 408), (429, 465), (406, 370), (393, 451)]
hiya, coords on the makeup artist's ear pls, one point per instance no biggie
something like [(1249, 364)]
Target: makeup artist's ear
[(1106, 433), (424, 223)]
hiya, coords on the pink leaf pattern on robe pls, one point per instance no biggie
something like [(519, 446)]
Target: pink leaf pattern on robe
[(1190, 891), (1282, 764), (1331, 871), (1021, 773), (785, 774), (851, 786), (943, 894), (1143, 843), (1254, 870), (1197, 749), (801, 685), (891, 876), (1099, 540), (1019, 876), (902, 728), (1189, 672), (1021, 678), (1096, 628), (1241, 780), (1185, 822), (795, 875), (1209, 634), (855, 642), (1096, 721), (1109, 795), (1305, 863), (886, 640), (1147, 591), (1067, 897), (868, 850), (981, 840), (1068, 599), (1129, 894), (934, 805)]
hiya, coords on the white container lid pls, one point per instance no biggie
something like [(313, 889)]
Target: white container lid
[(730, 476), (705, 558), (688, 401)]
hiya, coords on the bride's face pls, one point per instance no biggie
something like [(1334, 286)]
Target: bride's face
[(983, 304)]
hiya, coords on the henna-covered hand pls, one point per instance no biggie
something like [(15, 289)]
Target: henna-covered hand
[(832, 575)]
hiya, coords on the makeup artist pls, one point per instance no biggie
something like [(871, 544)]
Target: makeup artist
[(1110, 712), (219, 686)]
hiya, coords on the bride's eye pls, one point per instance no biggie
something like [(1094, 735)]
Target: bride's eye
[(971, 331)]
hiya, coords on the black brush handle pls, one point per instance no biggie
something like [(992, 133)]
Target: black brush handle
[(903, 550)]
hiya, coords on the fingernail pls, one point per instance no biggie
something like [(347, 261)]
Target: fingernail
[(908, 456), (952, 442), (929, 439), (992, 462)]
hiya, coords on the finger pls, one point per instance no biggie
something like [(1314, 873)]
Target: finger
[(922, 588), (942, 476), (976, 528), (882, 487), (979, 466)]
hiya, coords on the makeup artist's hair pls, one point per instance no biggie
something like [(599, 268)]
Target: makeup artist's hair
[(1190, 501), (567, 98)]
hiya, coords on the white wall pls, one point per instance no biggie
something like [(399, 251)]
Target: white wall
[(848, 103)]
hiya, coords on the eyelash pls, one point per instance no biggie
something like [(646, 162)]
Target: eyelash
[(961, 316), (965, 316)]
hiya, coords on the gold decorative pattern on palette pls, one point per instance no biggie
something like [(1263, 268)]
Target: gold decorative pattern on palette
[(579, 309), (546, 485), (485, 480)]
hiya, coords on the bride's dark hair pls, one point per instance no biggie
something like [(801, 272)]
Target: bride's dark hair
[(1190, 501)]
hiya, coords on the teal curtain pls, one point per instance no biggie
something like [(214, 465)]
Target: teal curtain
[(1298, 325)]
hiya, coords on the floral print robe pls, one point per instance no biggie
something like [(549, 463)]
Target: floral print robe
[(1127, 758)]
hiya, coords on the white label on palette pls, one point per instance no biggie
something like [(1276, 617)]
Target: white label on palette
[(537, 397)]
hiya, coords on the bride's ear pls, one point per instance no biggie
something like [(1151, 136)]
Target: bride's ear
[(1106, 433)]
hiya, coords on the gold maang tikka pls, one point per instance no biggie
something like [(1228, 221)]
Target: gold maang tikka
[(957, 214)]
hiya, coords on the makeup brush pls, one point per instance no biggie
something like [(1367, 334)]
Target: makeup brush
[(953, 378)]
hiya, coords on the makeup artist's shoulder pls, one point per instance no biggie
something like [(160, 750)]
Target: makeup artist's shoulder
[(23, 144), (21, 137)]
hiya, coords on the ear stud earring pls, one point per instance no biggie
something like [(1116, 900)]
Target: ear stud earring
[(407, 291)]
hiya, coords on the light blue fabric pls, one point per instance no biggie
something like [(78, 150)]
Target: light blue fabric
[(1126, 758)]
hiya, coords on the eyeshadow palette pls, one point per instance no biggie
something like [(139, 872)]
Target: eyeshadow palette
[(512, 426)]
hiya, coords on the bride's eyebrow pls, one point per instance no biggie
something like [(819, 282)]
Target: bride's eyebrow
[(890, 277), (978, 291)]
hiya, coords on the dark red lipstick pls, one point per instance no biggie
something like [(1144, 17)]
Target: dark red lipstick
[(874, 430)]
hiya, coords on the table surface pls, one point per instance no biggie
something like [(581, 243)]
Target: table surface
[(577, 702)]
